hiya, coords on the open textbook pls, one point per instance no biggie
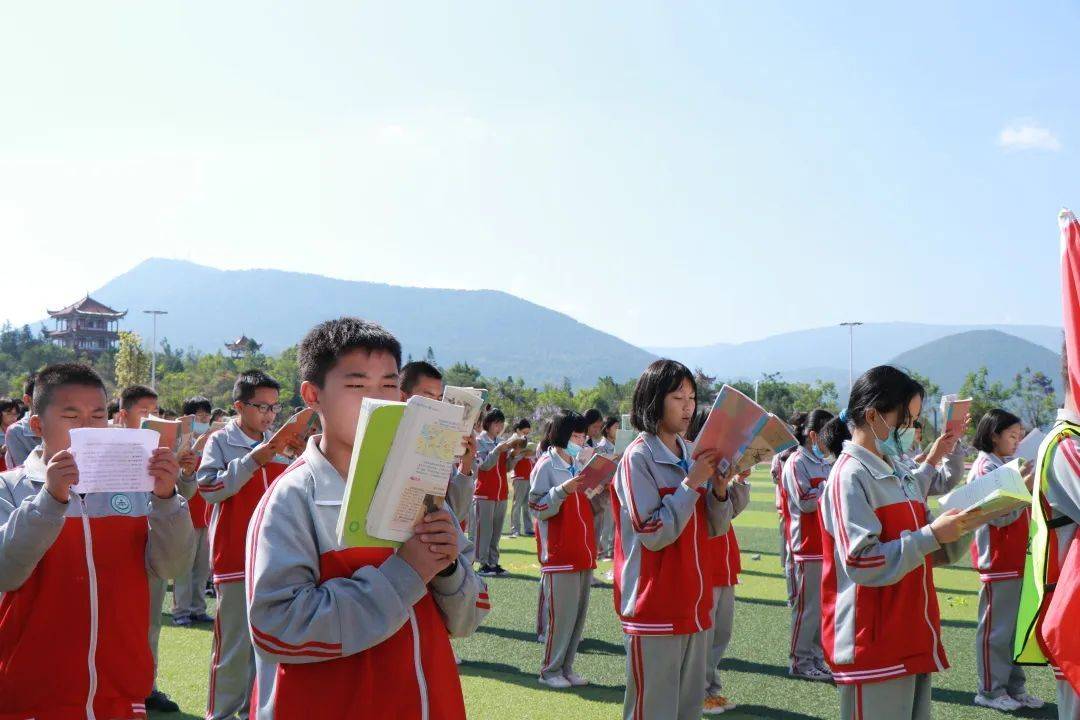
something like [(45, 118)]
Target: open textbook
[(997, 492), (470, 398), (954, 412), (176, 434), (738, 428), (114, 460), (401, 462), (596, 475), (1029, 446)]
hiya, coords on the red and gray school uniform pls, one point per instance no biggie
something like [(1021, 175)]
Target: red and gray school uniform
[(75, 602), (602, 519), (489, 501), (353, 632), (1061, 503), (189, 596), (937, 479), (521, 466), (726, 566), (881, 629), (20, 441), (998, 553), (662, 569), (566, 547), (776, 471), (803, 479), (232, 483)]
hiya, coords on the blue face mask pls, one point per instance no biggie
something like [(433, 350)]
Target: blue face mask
[(199, 428), (817, 452), (889, 447), (572, 449)]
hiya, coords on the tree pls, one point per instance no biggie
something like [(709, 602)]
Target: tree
[(132, 362), (429, 357), (462, 374), (985, 395), (1035, 397), (707, 389)]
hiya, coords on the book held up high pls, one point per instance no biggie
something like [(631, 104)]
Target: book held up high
[(400, 466), (470, 398), (1028, 448), (954, 412), (293, 435), (176, 434), (741, 432), (997, 492)]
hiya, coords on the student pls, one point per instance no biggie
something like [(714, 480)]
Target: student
[(218, 415), (726, 566), (355, 632), (566, 546), (833, 436), (776, 471), (489, 501), (521, 465), (74, 568), (189, 600), (880, 619), (803, 475), (138, 402), (238, 465), (10, 410), (998, 553), (666, 507), (20, 438), (421, 378), (601, 504)]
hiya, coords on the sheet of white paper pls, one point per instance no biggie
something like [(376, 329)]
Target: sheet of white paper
[(113, 459), (1029, 446)]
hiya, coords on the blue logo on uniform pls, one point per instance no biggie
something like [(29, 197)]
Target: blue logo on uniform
[(121, 503)]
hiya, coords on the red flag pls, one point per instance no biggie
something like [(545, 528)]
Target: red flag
[(1070, 296)]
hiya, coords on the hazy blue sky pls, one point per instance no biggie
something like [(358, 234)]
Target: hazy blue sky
[(674, 173)]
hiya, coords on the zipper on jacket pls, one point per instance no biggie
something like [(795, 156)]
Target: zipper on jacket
[(91, 572), (701, 580), (421, 681), (926, 595), (585, 530)]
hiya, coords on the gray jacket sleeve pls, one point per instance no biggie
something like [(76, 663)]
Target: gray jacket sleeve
[(720, 511), (288, 606), (796, 481), (938, 481), (856, 528), (462, 597), (545, 492), (657, 520), (187, 485), (739, 492), (219, 479), (20, 444), (171, 538), (485, 453), (28, 528)]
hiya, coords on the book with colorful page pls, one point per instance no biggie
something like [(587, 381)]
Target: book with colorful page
[(954, 412), (596, 475), (773, 439), (402, 458), (292, 437), (733, 423), (472, 399), (997, 492)]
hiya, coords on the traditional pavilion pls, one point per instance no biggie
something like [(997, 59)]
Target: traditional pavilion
[(242, 346), (87, 326)]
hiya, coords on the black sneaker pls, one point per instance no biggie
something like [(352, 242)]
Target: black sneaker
[(500, 571), (486, 571), (161, 702)]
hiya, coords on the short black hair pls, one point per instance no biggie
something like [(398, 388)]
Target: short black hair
[(563, 425), (28, 386), (325, 343), (659, 379), (696, 423), (58, 375), (611, 420), (245, 385), (522, 424), (993, 423), (112, 408), (218, 413), (593, 415), (412, 372), (133, 394), (7, 403), (814, 422), (834, 434), (493, 416), (196, 404), (883, 388)]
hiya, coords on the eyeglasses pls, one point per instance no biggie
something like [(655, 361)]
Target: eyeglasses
[(264, 408)]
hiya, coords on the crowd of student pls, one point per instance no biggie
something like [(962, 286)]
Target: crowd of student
[(305, 627)]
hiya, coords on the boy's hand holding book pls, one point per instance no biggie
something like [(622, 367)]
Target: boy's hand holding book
[(60, 474), (189, 461), (433, 546), (465, 465), (165, 469)]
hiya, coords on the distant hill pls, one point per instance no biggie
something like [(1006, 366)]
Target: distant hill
[(948, 360), (499, 333)]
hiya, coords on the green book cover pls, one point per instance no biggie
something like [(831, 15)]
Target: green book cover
[(375, 432)]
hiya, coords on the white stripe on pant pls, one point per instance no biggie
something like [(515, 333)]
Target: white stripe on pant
[(719, 636), (785, 563), (998, 604), (232, 663), (905, 698), (665, 676), (189, 590), (806, 615), (566, 605), (489, 518)]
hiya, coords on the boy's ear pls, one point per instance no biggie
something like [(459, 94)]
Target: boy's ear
[(238, 406), (35, 424), (310, 392)]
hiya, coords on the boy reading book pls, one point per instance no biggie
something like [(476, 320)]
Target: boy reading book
[(355, 632), (74, 568), (189, 600), (237, 468), (20, 439)]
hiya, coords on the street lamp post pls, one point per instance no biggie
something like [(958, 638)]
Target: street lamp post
[(153, 348), (851, 353)]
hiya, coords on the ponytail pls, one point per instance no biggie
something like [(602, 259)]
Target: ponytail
[(798, 426), (834, 434)]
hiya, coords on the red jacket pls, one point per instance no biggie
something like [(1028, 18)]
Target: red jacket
[(565, 538), (524, 468), (491, 483), (999, 548), (726, 560)]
